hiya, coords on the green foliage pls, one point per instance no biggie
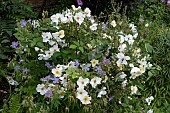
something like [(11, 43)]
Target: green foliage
[(14, 105), (61, 5), (80, 42), (157, 35), (10, 11), (16, 9), (158, 83), (5, 49), (80, 45), (151, 11)]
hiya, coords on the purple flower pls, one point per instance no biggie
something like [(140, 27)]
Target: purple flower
[(25, 70), (21, 61), (23, 23), (79, 2), (49, 93), (76, 64), (14, 44), (46, 78), (162, 0), (106, 61), (99, 70), (47, 64), (25, 49), (168, 2), (102, 73), (17, 67), (86, 68), (105, 25), (93, 55), (110, 98), (54, 79), (88, 91)]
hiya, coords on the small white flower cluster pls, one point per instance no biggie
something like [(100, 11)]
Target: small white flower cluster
[(82, 94), (12, 81), (64, 79), (149, 99), (56, 39), (126, 42), (35, 23), (128, 58), (137, 71), (105, 36)]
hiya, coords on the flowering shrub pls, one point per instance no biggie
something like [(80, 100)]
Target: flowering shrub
[(72, 60)]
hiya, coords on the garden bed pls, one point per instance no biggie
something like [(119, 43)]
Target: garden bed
[(70, 60)]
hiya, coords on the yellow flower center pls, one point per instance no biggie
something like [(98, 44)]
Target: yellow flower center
[(49, 53), (78, 18), (94, 62), (85, 99), (54, 50), (95, 81), (61, 92), (57, 72), (138, 72), (59, 33), (42, 88), (82, 82)]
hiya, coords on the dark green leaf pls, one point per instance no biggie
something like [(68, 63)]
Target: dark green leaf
[(81, 49)]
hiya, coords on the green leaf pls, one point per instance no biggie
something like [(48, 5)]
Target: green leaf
[(9, 32), (140, 87), (93, 42), (2, 56), (87, 74), (74, 76), (33, 43), (55, 101), (68, 72), (40, 44), (81, 49), (158, 67), (148, 48), (5, 41), (15, 105), (65, 51), (56, 54), (43, 28), (76, 43), (150, 75), (73, 46), (81, 43)]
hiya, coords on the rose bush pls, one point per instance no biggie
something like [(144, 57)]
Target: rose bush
[(72, 61)]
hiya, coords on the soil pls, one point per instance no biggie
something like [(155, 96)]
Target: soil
[(4, 90)]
